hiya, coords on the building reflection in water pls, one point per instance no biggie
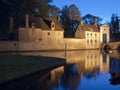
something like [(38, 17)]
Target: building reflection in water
[(87, 63), (79, 64), (104, 63)]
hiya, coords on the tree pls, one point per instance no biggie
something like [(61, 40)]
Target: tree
[(54, 11), (114, 27), (18, 8), (89, 19), (70, 19), (73, 12)]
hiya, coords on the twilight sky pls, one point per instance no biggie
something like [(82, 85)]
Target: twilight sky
[(101, 8)]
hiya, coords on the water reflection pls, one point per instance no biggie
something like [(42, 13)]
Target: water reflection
[(115, 71), (84, 70)]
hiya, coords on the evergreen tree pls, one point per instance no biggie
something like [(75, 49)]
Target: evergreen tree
[(114, 27)]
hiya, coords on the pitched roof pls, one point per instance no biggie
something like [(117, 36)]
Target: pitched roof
[(58, 25), (40, 23), (88, 27), (43, 23)]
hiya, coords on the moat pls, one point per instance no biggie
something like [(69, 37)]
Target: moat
[(84, 70)]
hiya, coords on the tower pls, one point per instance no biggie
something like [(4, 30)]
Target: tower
[(104, 33)]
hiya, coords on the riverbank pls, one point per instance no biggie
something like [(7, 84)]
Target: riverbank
[(17, 66)]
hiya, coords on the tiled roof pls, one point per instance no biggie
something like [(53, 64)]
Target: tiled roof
[(88, 27), (43, 23), (58, 25), (40, 23)]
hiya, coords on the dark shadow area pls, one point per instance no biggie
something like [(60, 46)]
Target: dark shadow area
[(118, 49), (107, 49), (115, 71), (28, 82)]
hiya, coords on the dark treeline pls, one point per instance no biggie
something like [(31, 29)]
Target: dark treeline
[(114, 28), (70, 15)]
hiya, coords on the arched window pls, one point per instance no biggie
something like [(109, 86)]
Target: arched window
[(104, 38)]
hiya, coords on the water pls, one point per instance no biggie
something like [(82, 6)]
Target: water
[(85, 70)]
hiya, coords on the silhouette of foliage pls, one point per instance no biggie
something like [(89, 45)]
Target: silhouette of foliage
[(70, 19), (89, 19), (18, 8), (114, 27)]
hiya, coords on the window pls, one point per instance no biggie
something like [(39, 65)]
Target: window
[(91, 41), (82, 28), (53, 25), (91, 34), (14, 44), (95, 35), (87, 34), (87, 41), (104, 29), (48, 33), (95, 41), (39, 39)]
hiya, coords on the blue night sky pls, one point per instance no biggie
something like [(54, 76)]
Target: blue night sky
[(101, 8)]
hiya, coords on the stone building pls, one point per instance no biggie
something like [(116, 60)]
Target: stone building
[(36, 29), (49, 33), (90, 33), (104, 34), (35, 34)]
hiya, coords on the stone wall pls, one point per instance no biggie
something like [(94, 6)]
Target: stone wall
[(51, 44), (8, 46), (29, 35), (113, 45), (74, 43), (29, 46)]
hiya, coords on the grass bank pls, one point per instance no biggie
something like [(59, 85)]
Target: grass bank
[(16, 66)]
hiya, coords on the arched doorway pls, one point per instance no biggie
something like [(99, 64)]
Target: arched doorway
[(107, 48), (104, 38)]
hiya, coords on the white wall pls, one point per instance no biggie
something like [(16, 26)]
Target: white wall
[(104, 29)]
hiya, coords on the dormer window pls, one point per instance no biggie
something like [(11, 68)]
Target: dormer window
[(48, 33)]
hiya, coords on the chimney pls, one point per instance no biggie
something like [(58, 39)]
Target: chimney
[(80, 19), (95, 22), (11, 24), (27, 21), (58, 18)]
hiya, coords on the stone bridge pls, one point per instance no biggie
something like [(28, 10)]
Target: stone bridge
[(112, 45)]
